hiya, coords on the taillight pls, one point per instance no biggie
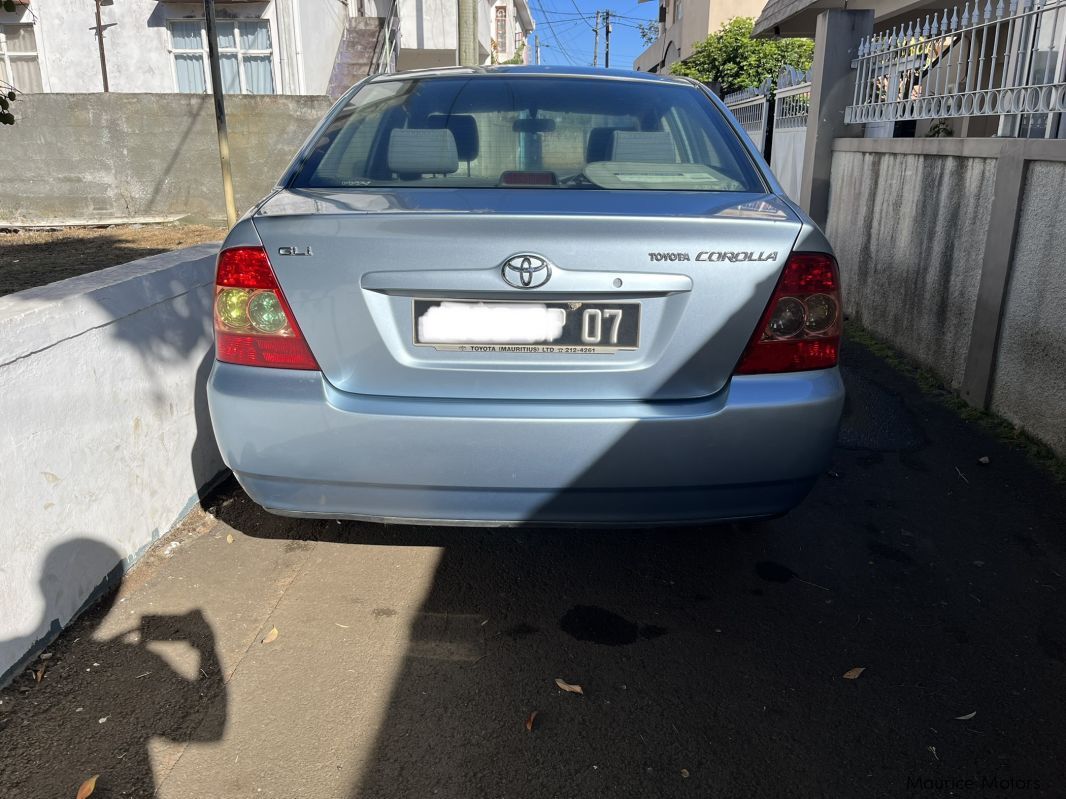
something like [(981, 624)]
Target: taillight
[(254, 326), (800, 328)]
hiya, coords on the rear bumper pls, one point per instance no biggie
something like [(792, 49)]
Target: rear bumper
[(300, 447)]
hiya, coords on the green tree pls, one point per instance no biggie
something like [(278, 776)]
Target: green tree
[(7, 91), (737, 61)]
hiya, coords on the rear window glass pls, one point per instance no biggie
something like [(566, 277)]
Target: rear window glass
[(493, 131)]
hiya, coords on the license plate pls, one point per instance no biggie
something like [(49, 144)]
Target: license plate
[(536, 327)]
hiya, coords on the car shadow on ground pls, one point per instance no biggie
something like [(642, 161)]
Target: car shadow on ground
[(712, 659)]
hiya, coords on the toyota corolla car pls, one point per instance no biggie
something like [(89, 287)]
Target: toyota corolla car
[(527, 295)]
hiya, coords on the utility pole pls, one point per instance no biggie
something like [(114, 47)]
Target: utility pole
[(596, 46), (607, 40), (536, 47), (220, 113), (100, 28), (468, 51)]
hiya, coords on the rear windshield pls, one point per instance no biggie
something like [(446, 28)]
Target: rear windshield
[(514, 131)]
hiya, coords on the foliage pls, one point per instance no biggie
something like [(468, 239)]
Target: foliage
[(649, 32), (940, 129), (6, 117), (737, 61), (7, 91), (515, 59), (518, 56)]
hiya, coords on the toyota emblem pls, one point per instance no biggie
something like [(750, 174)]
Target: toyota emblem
[(526, 271)]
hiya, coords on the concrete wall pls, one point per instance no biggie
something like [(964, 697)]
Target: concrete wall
[(909, 231), (952, 250), (1029, 383), (106, 436), (121, 156)]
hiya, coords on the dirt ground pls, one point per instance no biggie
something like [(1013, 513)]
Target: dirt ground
[(30, 258)]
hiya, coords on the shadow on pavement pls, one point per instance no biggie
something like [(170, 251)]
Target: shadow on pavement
[(712, 659), (75, 717)]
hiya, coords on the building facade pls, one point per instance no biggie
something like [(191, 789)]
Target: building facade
[(265, 46), (685, 23)]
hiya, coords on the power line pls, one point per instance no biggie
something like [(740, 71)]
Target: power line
[(558, 42), (583, 17)]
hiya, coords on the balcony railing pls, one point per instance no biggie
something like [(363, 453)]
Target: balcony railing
[(993, 60)]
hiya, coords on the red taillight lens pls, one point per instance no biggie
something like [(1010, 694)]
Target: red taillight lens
[(254, 326), (800, 328)]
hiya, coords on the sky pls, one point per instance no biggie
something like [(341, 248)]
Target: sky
[(565, 28)]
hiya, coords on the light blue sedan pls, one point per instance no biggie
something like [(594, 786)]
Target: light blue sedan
[(527, 295)]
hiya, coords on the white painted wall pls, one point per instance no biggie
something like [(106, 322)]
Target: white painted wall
[(105, 430), (136, 45), (321, 25), (519, 21), (429, 26)]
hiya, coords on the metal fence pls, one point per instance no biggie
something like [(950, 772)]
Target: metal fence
[(751, 108), (792, 103), (1004, 60)]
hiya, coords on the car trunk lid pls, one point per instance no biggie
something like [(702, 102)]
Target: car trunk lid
[(359, 267)]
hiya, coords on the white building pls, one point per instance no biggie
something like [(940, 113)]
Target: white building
[(429, 39), (266, 46)]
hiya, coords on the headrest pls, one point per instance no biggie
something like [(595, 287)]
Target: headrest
[(644, 147), (463, 128), (418, 151), (598, 147)]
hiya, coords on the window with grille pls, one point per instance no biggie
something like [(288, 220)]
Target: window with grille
[(19, 65), (245, 56), (501, 26)]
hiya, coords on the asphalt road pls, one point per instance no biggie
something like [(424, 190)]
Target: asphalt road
[(409, 661)]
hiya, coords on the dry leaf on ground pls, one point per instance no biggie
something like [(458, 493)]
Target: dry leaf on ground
[(39, 674), (270, 636), (87, 787), (570, 689), (529, 722), (967, 717), (853, 674)]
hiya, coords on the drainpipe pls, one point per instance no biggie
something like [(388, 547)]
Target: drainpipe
[(297, 32)]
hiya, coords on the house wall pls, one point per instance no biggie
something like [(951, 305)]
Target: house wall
[(114, 452), (699, 18), (137, 41), (923, 228), (96, 157), (506, 45), (321, 25), (429, 35)]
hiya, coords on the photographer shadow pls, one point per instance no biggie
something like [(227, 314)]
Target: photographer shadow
[(111, 700)]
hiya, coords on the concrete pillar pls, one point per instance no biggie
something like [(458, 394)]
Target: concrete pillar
[(836, 44)]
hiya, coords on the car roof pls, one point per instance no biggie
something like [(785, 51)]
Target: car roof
[(535, 71)]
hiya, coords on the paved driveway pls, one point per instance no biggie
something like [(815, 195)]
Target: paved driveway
[(409, 662)]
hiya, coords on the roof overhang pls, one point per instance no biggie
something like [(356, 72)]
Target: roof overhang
[(521, 8), (792, 18)]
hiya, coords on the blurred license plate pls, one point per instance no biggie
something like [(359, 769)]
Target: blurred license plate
[(563, 327)]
